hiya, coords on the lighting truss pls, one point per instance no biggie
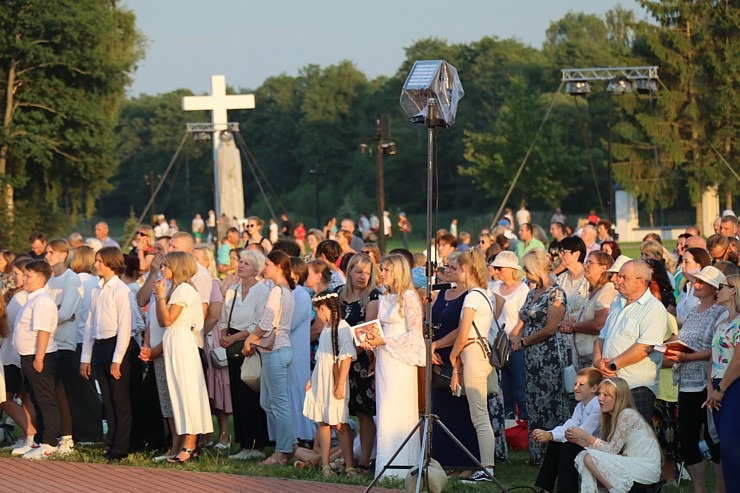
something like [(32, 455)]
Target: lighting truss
[(631, 73)]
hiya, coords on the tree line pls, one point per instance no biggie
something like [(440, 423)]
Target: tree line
[(667, 147)]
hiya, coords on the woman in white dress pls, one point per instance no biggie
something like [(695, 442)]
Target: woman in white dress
[(629, 452), (181, 313), (397, 354)]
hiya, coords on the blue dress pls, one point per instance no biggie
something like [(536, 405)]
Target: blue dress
[(453, 411)]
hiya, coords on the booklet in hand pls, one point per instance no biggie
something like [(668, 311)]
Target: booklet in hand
[(678, 346), (360, 332)]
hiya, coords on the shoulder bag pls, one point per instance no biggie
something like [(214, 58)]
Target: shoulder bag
[(268, 341), (499, 351), (251, 371), (234, 351)]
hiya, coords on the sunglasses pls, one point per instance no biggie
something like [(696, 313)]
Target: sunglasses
[(724, 285), (251, 225), (562, 251), (141, 233)]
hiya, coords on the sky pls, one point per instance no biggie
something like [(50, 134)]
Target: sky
[(249, 41)]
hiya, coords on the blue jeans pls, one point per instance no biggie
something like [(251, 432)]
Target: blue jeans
[(513, 385), (728, 428), (274, 396)]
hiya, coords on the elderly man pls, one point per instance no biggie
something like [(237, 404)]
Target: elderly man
[(589, 236), (636, 323), (101, 233)]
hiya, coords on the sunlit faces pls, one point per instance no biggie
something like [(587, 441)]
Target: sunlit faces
[(313, 279), (18, 277), (607, 248), (726, 294), (606, 401), (245, 269), (233, 260), (270, 270), (360, 276), (444, 249), (166, 271), (313, 242), (54, 257), (387, 278), (628, 283), (34, 280), (323, 313), (38, 247), (582, 390), (484, 242), (702, 289), (454, 272)]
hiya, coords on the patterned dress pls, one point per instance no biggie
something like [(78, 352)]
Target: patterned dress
[(547, 403), (361, 375)]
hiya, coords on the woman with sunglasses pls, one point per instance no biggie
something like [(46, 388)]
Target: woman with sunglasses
[(144, 246), (724, 391), (254, 229), (692, 368)]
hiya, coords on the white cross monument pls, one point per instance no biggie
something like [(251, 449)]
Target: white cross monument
[(228, 173)]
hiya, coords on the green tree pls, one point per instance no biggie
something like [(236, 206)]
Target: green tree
[(66, 65)]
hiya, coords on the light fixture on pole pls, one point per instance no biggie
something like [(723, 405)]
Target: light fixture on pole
[(577, 88), (646, 86)]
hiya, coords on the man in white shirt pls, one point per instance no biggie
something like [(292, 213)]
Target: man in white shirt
[(625, 346), (33, 338), (79, 406), (106, 344), (101, 233)]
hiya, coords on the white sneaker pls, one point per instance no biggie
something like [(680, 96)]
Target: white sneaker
[(17, 452), (243, 454), (21, 442), (66, 446), (256, 454), (43, 451)]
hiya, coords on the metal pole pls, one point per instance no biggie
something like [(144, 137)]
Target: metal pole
[(380, 179), (318, 201), (609, 162)]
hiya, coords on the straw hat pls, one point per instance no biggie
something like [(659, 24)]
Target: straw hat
[(708, 275), (507, 260)]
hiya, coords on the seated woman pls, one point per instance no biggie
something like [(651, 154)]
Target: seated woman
[(629, 452), (558, 461)]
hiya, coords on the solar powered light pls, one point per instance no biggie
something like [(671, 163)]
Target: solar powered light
[(431, 93)]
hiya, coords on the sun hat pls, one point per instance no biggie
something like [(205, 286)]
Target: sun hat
[(506, 259), (617, 265), (708, 275)]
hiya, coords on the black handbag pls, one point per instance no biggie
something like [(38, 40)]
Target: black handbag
[(234, 351), (498, 354), (441, 376)]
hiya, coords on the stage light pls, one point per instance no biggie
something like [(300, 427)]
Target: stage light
[(619, 85), (389, 148), (577, 88), (645, 86), (363, 149), (432, 83)]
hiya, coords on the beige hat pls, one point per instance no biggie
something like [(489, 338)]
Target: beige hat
[(708, 275), (506, 260), (617, 265)]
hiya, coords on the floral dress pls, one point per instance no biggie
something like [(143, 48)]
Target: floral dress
[(547, 403), (361, 373)]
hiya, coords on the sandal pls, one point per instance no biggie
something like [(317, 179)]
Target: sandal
[(327, 471), (351, 472), (304, 464), (192, 455), (362, 469), (274, 460)]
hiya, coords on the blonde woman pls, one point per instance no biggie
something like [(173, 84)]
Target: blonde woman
[(653, 250), (397, 354), (180, 312), (468, 357), (628, 451), (544, 349)]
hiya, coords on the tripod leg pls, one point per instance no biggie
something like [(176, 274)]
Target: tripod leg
[(395, 454), (423, 455)]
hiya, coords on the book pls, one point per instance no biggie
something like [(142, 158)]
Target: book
[(678, 346), (361, 331)]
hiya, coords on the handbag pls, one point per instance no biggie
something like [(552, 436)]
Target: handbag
[(251, 371), (441, 376), (234, 351), (499, 352), (567, 372), (219, 358)]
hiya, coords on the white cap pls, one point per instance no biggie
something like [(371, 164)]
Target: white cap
[(617, 265)]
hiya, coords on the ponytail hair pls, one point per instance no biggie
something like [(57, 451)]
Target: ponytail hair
[(475, 262), (331, 301)]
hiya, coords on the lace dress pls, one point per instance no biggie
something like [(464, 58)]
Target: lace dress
[(632, 456), (396, 391)]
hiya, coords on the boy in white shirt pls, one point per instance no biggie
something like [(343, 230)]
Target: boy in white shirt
[(560, 456), (33, 338)]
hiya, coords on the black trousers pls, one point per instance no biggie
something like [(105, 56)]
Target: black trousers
[(79, 404), (41, 388), (250, 420), (559, 462), (692, 417), (116, 396)]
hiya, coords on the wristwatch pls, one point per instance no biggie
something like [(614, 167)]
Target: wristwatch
[(718, 388), (613, 366)]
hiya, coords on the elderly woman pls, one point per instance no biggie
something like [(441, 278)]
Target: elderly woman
[(693, 367), (573, 280), (514, 292), (593, 313), (724, 396), (628, 451), (241, 311), (545, 356)]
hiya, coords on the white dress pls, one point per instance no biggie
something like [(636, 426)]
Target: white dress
[(185, 380), (397, 405), (320, 404), (632, 456)]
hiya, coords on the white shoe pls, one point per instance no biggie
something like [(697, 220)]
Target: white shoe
[(66, 446), (222, 446), (256, 454), (21, 442), (243, 454), (17, 452), (43, 451)]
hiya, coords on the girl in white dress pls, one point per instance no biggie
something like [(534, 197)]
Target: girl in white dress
[(181, 313), (398, 353), (327, 392), (629, 452)]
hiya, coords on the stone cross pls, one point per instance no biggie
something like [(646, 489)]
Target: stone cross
[(227, 201)]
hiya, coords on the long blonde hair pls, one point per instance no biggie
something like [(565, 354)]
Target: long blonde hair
[(535, 262), (475, 262), (183, 267), (363, 260), (620, 390), (210, 258), (399, 267)]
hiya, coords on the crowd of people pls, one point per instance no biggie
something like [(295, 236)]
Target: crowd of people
[(154, 343)]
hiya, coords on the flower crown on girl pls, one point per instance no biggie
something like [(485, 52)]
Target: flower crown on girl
[(323, 297)]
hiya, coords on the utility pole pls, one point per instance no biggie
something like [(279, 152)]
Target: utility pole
[(379, 120)]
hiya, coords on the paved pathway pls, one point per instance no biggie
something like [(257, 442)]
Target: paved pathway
[(75, 477)]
